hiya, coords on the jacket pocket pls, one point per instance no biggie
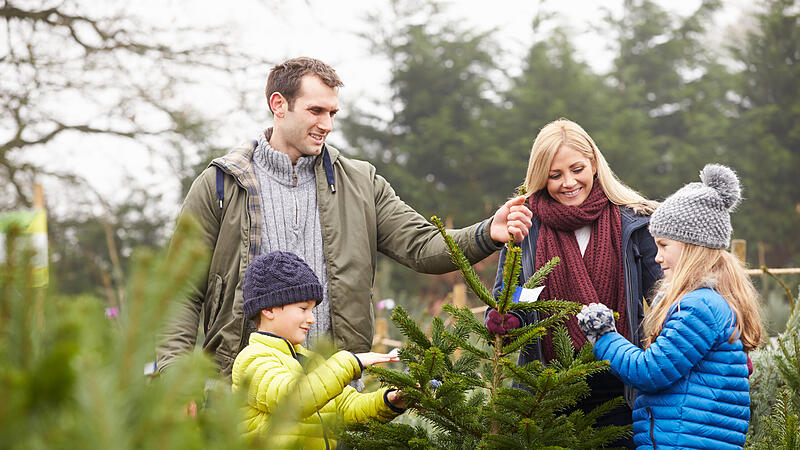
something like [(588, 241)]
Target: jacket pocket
[(652, 427), (214, 300)]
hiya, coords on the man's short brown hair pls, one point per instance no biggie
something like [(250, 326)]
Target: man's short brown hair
[(285, 77)]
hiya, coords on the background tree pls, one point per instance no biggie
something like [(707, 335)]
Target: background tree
[(77, 75), (553, 83), (432, 146), (668, 94), (764, 139)]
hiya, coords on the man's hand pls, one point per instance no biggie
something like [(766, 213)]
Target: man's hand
[(372, 358), (512, 218)]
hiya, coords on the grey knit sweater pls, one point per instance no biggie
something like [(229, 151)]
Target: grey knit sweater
[(291, 218)]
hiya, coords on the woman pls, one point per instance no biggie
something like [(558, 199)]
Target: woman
[(693, 375), (598, 227)]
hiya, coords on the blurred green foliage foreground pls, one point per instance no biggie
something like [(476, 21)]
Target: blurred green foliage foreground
[(71, 375)]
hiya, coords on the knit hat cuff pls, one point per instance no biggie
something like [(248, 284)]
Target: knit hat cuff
[(282, 297), (702, 239)]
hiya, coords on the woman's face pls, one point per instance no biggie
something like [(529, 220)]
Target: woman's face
[(571, 177)]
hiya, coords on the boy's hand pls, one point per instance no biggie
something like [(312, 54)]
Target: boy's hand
[(372, 358), (396, 399)]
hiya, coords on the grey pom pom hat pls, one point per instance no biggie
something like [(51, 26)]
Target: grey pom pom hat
[(699, 213)]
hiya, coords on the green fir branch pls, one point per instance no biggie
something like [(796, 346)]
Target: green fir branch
[(463, 344), (548, 306), (392, 377), (409, 328), (511, 269), (562, 346), (467, 363), (466, 318), (471, 278), (537, 279), (520, 339)]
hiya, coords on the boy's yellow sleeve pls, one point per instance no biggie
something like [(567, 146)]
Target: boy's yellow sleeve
[(273, 383), (358, 407)]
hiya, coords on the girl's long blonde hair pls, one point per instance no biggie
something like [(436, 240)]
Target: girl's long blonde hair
[(699, 266), (565, 132)]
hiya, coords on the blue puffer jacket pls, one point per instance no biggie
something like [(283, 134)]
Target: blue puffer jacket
[(638, 262), (693, 385)]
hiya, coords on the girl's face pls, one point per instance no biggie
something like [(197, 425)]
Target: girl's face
[(669, 252), (571, 177)]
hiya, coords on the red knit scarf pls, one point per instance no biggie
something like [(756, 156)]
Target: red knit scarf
[(598, 275)]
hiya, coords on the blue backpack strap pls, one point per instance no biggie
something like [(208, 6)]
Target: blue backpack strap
[(221, 179), (220, 186), (326, 163)]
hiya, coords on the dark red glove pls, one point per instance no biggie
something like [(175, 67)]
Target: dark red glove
[(501, 325)]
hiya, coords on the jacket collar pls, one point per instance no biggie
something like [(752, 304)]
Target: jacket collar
[(239, 162), (278, 343)]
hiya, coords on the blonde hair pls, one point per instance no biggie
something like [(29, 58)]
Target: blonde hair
[(565, 132), (698, 266)]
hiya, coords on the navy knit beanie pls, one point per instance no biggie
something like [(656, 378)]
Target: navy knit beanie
[(278, 279)]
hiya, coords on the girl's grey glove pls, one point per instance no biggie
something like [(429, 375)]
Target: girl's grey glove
[(595, 320)]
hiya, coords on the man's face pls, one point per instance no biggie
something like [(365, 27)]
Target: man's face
[(301, 130)]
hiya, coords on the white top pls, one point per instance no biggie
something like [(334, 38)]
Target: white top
[(582, 235)]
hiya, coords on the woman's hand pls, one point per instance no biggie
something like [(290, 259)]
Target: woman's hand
[(501, 325)]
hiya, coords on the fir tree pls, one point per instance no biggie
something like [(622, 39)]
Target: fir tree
[(774, 387), (463, 381)]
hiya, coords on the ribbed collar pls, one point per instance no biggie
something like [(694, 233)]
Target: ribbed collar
[(279, 343), (279, 166)]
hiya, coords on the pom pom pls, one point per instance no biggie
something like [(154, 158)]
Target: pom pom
[(723, 180)]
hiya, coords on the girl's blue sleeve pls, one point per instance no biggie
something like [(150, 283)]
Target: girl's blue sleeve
[(687, 336)]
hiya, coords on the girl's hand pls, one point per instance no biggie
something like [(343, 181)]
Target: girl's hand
[(372, 358), (595, 320)]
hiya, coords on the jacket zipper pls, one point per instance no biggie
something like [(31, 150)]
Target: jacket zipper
[(652, 427), (294, 355)]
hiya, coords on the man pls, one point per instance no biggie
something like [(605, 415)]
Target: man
[(291, 192)]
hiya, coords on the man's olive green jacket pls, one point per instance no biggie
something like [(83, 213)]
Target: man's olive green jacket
[(360, 216)]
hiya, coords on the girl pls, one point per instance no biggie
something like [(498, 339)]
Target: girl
[(598, 227), (692, 377)]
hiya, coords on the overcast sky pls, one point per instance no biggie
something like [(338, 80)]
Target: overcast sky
[(328, 30)]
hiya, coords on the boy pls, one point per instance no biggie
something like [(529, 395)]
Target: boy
[(280, 291)]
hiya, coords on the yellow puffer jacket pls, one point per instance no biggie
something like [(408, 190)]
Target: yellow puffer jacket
[(304, 402)]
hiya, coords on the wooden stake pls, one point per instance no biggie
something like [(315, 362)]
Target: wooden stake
[(739, 249)]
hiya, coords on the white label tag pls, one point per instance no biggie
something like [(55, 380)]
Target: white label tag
[(530, 295)]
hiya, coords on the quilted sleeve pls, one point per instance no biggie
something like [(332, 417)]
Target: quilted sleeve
[(272, 383), (688, 334), (358, 407)]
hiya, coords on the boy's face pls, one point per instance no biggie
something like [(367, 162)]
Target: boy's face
[(290, 321)]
